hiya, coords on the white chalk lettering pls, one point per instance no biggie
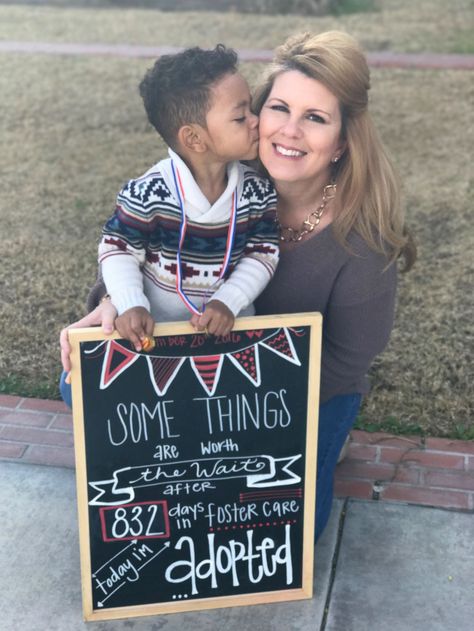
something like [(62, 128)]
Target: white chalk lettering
[(216, 448), (236, 558), (186, 488), (134, 421), (158, 472), (245, 412), (230, 513), (186, 510), (225, 467), (113, 573), (166, 452), (280, 508)]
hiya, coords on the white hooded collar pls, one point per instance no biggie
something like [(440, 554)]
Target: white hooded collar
[(196, 205)]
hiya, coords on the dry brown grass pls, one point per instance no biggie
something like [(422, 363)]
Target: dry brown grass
[(425, 376), (73, 131), (400, 25)]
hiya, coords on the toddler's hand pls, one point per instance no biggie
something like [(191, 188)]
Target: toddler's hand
[(217, 319), (135, 325)]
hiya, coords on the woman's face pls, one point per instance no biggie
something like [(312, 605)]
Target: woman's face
[(300, 129)]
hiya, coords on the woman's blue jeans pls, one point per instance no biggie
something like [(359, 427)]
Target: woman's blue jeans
[(65, 390), (336, 418)]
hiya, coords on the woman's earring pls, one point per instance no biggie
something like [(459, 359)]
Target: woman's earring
[(335, 159)]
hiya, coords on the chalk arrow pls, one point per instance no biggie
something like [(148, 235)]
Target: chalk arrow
[(101, 603), (166, 545), (132, 543)]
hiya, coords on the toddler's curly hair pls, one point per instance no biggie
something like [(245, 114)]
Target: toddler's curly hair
[(176, 91)]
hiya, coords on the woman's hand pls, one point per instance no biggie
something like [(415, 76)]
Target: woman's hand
[(104, 314)]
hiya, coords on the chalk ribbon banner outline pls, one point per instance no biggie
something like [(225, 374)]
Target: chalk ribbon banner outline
[(122, 490), (274, 467)]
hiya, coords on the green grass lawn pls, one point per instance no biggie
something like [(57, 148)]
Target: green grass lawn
[(73, 130)]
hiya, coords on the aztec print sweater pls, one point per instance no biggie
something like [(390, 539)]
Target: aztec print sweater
[(139, 246)]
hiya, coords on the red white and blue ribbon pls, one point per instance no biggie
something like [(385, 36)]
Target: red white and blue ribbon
[(182, 233)]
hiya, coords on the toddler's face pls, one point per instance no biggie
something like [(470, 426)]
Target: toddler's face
[(232, 129)]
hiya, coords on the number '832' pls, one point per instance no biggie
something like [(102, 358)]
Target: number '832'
[(143, 520)]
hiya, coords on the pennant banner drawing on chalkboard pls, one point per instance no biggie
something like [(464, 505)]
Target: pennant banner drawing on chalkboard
[(282, 345), (117, 359), (162, 372), (207, 368), (247, 361)]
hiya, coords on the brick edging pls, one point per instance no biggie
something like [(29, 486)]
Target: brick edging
[(432, 472), (36, 431)]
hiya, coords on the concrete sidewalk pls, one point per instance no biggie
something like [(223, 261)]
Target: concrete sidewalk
[(379, 566)]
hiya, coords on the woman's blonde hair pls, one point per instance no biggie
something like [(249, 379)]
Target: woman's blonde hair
[(368, 190)]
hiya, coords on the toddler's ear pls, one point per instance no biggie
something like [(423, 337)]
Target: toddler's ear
[(192, 138)]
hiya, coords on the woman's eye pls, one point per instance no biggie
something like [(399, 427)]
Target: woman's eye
[(316, 118), (240, 120), (278, 108)]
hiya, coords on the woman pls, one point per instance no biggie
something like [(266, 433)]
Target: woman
[(341, 222), (340, 219)]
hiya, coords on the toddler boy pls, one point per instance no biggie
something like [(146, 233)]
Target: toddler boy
[(195, 235)]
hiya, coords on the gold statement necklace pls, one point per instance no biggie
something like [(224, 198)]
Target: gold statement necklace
[(290, 235)]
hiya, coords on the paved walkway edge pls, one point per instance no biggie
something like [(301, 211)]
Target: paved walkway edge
[(435, 472), (382, 59)]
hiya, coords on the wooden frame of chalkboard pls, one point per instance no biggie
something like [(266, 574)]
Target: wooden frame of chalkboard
[(196, 466)]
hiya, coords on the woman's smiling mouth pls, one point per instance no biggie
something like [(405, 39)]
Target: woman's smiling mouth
[(288, 153)]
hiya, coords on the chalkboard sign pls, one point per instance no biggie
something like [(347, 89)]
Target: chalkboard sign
[(196, 466)]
